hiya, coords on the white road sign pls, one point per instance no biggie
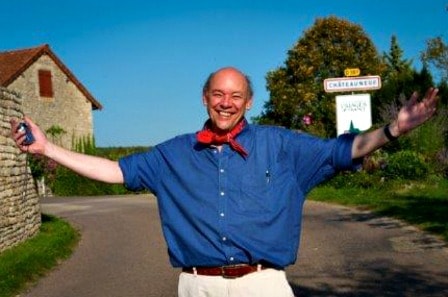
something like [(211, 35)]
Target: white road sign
[(349, 84), (353, 113)]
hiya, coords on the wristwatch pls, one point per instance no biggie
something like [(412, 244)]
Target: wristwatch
[(389, 135)]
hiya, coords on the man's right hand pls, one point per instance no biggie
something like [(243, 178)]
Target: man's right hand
[(38, 146)]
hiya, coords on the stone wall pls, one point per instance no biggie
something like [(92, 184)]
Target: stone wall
[(20, 216)]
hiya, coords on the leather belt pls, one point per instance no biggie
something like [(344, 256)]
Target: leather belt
[(231, 271)]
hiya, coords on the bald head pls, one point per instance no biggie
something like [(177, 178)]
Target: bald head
[(228, 71)]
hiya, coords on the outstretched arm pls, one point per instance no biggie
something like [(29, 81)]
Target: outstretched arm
[(100, 169), (411, 115)]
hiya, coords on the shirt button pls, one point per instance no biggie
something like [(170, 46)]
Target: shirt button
[(221, 170), (221, 214), (232, 259), (222, 193), (224, 238)]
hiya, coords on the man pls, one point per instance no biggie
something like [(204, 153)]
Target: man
[(231, 195)]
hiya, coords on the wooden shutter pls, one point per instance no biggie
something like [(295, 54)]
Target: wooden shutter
[(45, 84)]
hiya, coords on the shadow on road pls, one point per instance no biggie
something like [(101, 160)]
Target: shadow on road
[(383, 279)]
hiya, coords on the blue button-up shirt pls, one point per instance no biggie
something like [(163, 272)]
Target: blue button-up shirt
[(218, 208)]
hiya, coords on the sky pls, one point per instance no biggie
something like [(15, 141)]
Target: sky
[(146, 61)]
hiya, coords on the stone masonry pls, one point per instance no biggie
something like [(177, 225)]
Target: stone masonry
[(20, 216)]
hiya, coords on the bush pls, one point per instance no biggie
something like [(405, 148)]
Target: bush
[(441, 163), (431, 137), (407, 165), (64, 182), (359, 180), (68, 183)]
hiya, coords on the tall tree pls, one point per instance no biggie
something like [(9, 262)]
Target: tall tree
[(396, 65), (296, 89), (436, 55), (397, 80), (443, 92)]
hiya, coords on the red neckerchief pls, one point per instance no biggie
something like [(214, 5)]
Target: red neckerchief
[(207, 136)]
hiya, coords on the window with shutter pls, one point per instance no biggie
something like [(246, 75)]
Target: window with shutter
[(45, 84)]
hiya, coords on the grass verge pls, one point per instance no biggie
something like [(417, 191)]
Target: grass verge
[(423, 204), (26, 262)]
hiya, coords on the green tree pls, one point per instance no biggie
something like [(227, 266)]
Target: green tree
[(443, 92), (395, 63), (397, 81), (422, 80), (436, 55), (296, 89)]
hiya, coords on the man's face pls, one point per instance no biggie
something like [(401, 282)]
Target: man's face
[(227, 99)]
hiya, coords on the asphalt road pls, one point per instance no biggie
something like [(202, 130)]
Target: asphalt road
[(344, 252)]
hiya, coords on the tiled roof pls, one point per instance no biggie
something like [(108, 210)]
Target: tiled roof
[(13, 63)]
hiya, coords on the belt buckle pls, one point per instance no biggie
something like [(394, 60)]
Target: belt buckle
[(226, 269)]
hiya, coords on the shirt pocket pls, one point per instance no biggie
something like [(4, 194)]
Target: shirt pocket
[(266, 190)]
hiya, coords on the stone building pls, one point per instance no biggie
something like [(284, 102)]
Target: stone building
[(52, 96)]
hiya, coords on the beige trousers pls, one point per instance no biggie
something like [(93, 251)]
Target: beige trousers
[(264, 283)]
